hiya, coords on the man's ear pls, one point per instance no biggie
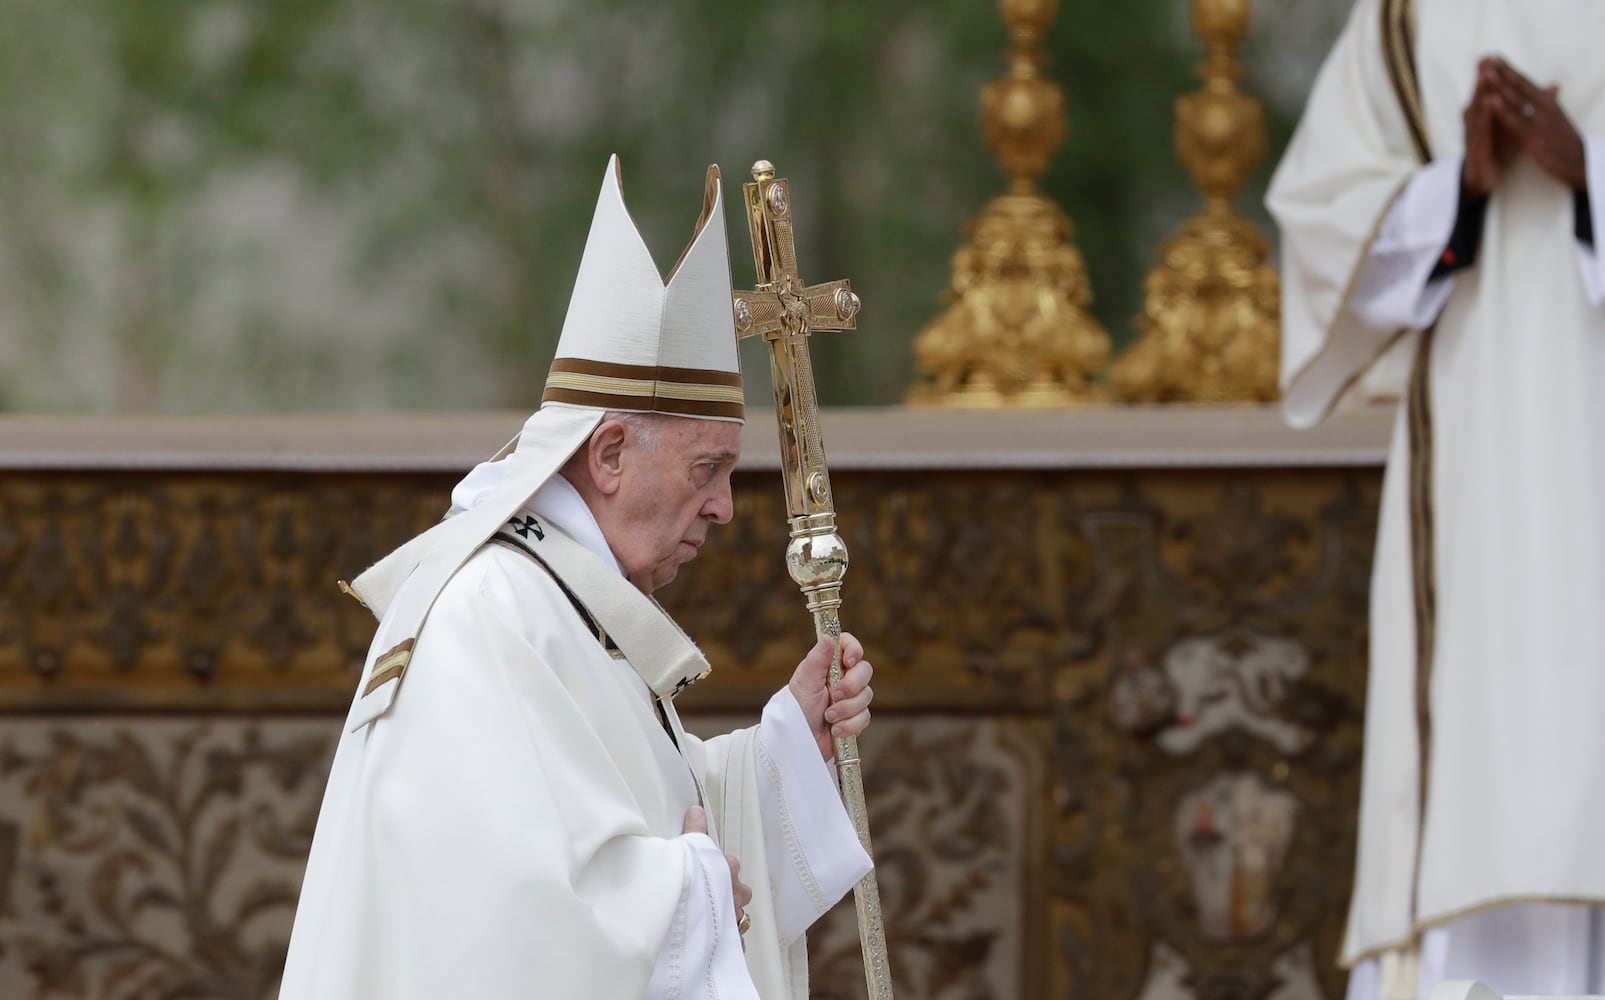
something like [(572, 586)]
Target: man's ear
[(604, 456)]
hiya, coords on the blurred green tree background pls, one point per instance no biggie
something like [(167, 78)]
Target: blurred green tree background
[(241, 205)]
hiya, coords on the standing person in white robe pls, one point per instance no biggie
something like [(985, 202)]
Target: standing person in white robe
[(1441, 181), (514, 809)]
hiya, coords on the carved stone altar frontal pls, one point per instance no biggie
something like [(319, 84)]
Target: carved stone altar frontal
[(153, 857), (1116, 749)]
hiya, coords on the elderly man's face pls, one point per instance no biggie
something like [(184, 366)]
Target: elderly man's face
[(670, 495)]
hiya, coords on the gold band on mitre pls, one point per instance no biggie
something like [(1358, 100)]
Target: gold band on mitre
[(691, 392)]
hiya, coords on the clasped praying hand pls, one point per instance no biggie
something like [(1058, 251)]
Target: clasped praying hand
[(1510, 114)]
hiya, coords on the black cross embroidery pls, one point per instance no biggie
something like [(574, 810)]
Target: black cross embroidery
[(686, 682), (527, 525)]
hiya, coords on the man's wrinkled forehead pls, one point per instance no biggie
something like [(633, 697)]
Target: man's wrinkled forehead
[(715, 440)]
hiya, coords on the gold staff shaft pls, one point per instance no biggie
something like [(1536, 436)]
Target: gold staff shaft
[(867, 893), (784, 311)]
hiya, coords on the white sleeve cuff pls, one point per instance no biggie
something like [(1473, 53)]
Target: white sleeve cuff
[(1392, 291), (820, 858), (1588, 258), (703, 957)]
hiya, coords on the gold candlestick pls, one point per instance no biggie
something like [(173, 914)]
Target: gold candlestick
[(1016, 331), (1210, 326)]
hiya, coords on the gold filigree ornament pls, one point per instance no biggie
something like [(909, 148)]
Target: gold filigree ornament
[(1016, 331), (1211, 320)]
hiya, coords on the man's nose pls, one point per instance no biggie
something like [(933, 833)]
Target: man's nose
[(721, 507)]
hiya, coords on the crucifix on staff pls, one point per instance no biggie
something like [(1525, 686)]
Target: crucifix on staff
[(784, 310)]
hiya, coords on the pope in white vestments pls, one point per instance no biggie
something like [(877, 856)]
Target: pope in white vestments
[(514, 809), (1447, 176)]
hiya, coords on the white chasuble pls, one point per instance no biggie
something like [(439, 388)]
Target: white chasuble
[(511, 826), (1514, 792)]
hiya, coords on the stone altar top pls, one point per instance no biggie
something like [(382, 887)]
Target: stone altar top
[(1092, 437)]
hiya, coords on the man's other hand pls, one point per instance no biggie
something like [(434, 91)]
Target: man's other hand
[(1534, 116), (1490, 146), (696, 821), (839, 712)]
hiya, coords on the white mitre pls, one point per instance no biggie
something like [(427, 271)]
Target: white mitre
[(632, 341), (635, 340)]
